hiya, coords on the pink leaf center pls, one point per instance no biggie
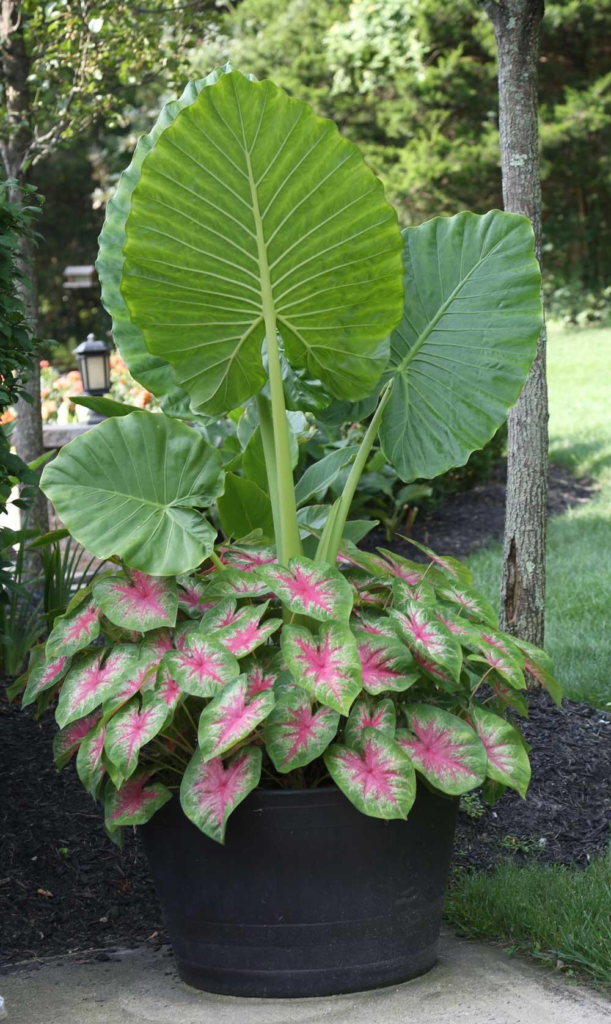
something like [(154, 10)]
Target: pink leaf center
[(303, 586), (322, 664), (82, 624), (218, 787), (132, 797), (371, 772), (375, 665), (436, 751), (142, 596)]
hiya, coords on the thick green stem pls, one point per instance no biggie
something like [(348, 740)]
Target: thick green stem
[(290, 541), (269, 451), (214, 558), (355, 475)]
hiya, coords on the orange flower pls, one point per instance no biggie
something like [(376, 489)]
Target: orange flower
[(45, 392), (142, 399), (47, 409), (8, 416), (44, 363)]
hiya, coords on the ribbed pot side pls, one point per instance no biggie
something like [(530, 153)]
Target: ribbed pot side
[(307, 897)]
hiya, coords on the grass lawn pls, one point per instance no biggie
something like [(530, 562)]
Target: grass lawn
[(578, 617), (562, 915)]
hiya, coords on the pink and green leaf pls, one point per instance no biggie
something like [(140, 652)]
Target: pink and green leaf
[(386, 663), (374, 624), (231, 717), (161, 640), (366, 713), (136, 801), (211, 789), (45, 675), (262, 673), (166, 692), (446, 750), (538, 664), (224, 613), (378, 778), (508, 697), (203, 666), (129, 730), (139, 676), (73, 632), (452, 566), (248, 557), (412, 573), (295, 734), (182, 632), (236, 583), (404, 594), (92, 681), (469, 602), (327, 665), (67, 740), (428, 668), (191, 590), (114, 774), (247, 632), (137, 601), (496, 661), (463, 628), (310, 588), (421, 630), (507, 759), (89, 764)]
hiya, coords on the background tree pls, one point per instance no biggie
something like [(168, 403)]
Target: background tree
[(65, 66), (516, 27)]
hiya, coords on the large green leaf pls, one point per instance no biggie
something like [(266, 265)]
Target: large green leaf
[(131, 487), (247, 199), (244, 507), (468, 336), (152, 371), (318, 477)]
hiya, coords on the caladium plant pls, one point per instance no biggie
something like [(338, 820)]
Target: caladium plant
[(252, 266)]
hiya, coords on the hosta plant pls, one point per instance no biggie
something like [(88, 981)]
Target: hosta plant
[(252, 267)]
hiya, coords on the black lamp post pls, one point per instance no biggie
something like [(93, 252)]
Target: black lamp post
[(94, 366)]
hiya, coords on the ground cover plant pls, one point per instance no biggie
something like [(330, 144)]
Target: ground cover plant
[(251, 263)]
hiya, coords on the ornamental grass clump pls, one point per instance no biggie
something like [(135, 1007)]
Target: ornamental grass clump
[(253, 267)]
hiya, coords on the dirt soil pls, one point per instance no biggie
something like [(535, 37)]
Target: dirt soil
[(66, 889)]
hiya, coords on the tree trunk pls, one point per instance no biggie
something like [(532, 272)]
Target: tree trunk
[(516, 26), (13, 148)]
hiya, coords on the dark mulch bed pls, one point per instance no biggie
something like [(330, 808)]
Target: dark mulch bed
[(566, 816), (470, 520), (63, 885)]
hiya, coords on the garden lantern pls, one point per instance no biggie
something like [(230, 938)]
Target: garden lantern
[(79, 277), (94, 366)]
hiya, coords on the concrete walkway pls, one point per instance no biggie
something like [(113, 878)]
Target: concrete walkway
[(472, 984)]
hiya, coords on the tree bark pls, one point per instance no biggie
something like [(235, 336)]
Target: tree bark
[(15, 67), (516, 26)]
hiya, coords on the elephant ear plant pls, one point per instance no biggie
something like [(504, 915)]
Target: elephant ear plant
[(252, 266)]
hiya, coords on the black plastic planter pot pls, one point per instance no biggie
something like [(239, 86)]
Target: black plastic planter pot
[(308, 897)]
